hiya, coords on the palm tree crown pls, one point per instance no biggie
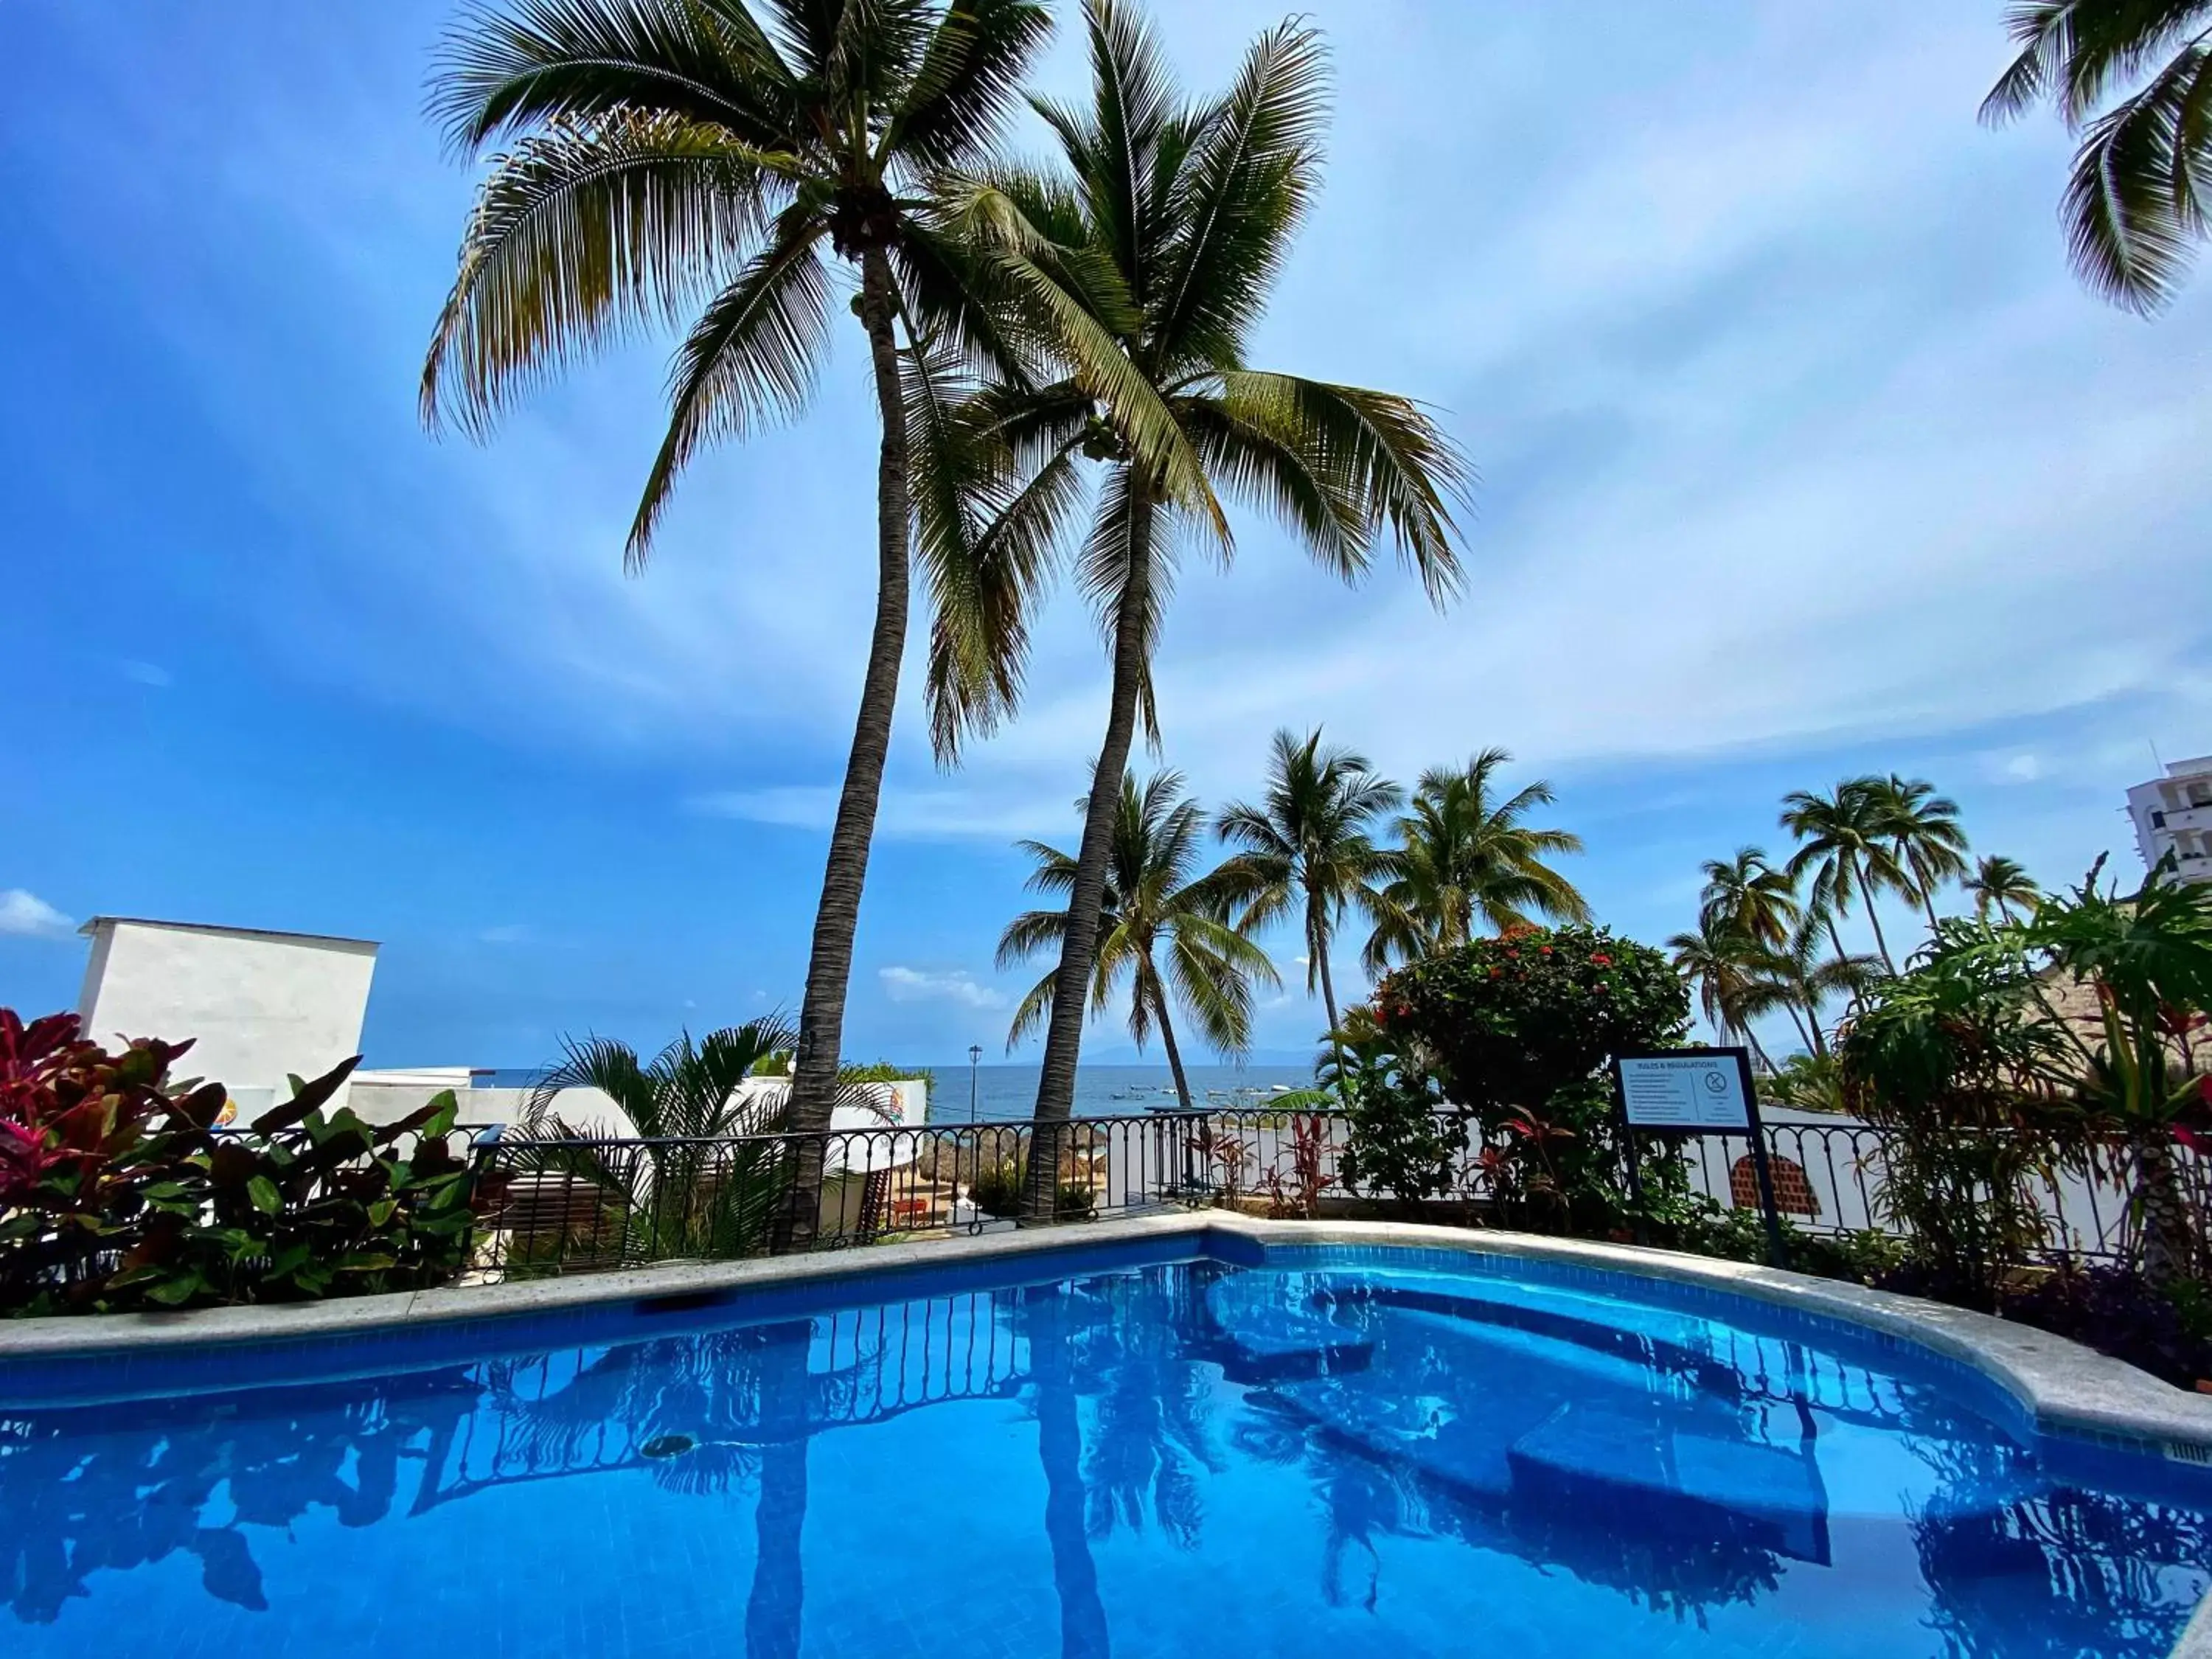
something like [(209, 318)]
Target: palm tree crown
[(1844, 839), (2136, 202), (2001, 885), (1306, 846), (1466, 856), (693, 159), (1154, 898), (1924, 835), (1748, 894), (1142, 268)]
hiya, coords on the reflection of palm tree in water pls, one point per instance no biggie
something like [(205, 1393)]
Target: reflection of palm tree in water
[(1044, 1321), (80, 1495), (1152, 1440), (2015, 1567), (772, 1615)]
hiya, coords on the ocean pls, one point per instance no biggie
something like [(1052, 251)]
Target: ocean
[(1004, 1093)]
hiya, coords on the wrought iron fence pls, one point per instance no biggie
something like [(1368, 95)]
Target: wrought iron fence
[(567, 1206)]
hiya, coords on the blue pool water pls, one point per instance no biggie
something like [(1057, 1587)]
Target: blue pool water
[(1324, 1453)]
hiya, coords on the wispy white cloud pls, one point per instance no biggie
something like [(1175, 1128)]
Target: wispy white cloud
[(902, 984), (26, 916), (148, 673), (908, 814), (513, 932)]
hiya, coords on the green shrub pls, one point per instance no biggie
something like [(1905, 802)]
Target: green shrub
[(1947, 1059), (997, 1188), (119, 1191), (1516, 1032)]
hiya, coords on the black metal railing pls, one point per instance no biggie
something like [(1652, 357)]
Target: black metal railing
[(568, 1205)]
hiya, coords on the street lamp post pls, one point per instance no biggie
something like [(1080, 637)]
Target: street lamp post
[(974, 1059)]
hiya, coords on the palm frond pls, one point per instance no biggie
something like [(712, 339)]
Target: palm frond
[(967, 81), (1382, 453), (2134, 202), (1244, 190), (526, 62), (580, 237), (753, 356)]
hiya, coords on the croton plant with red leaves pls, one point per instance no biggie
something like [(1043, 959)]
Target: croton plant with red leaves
[(117, 1190)]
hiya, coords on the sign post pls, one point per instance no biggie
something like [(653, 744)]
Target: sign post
[(1694, 1091)]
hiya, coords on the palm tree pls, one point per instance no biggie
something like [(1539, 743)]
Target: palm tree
[(2137, 199), (1146, 269), (1844, 840), (1799, 978), (1748, 894), (2000, 883), (706, 1179), (1306, 847), (1466, 856), (1152, 899), (1717, 960), (1924, 835), (674, 158)]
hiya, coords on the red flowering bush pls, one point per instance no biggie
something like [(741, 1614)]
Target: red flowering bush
[(1517, 1031), (1509, 1022)]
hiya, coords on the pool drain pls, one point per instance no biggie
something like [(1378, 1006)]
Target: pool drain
[(668, 1445)]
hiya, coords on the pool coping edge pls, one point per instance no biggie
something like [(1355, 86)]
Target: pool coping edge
[(2059, 1384)]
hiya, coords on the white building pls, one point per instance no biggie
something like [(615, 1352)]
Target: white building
[(2174, 815), (259, 1006)]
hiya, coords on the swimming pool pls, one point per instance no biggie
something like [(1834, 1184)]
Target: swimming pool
[(1310, 1449)]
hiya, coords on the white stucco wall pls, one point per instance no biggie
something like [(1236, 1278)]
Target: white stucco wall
[(258, 1005)]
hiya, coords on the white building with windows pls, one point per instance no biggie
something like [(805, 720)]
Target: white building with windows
[(2173, 815)]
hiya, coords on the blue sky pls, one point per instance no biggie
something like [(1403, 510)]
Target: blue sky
[(1802, 454)]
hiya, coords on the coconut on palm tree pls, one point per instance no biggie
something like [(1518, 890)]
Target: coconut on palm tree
[(694, 161), (1306, 846), (1468, 856), (2133, 79), (1924, 836), (2001, 885), (1844, 840), (1157, 901), (1143, 268)]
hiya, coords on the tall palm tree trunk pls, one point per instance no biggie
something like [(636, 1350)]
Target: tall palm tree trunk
[(1805, 1015), (1168, 1042), (1873, 916), (1757, 1049), (1078, 946), (2165, 1235), (830, 967), (1317, 945)]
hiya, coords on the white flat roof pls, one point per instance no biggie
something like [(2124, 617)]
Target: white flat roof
[(98, 922)]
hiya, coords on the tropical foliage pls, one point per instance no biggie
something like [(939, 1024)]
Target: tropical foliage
[(693, 1168), (1142, 264), (2132, 78), (1306, 848), (674, 160), (1516, 1031), (119, 1189), (1156, 901), (1468, 861)]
